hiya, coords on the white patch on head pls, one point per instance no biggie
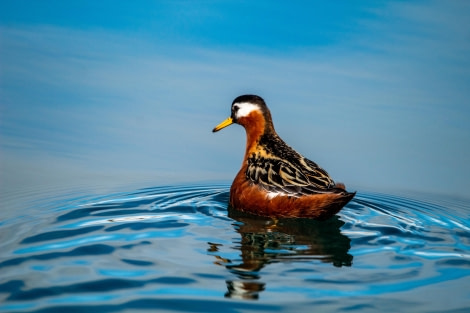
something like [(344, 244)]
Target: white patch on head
[(245, 108)]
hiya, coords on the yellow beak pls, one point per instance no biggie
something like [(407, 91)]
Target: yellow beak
[(224, 124)]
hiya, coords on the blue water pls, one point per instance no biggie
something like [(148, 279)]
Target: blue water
[(178, 249)]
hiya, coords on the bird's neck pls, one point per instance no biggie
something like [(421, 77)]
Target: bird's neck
[(255, 127)]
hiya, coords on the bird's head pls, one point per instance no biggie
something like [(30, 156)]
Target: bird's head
[(251, 112)]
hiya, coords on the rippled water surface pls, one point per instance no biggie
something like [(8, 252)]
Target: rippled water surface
[(178, 248)]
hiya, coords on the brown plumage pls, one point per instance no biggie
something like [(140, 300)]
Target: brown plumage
[(275, 180)]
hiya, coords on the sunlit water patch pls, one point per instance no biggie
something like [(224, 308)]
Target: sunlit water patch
[(179, 249)]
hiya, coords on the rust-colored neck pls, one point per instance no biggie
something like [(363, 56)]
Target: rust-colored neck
[(255, 126)]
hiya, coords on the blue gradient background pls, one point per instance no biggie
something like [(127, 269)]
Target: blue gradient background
[(107, 92)]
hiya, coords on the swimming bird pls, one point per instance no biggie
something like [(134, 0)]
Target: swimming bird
[(275, 180)]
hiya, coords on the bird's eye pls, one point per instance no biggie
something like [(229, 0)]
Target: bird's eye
[(235, 108)]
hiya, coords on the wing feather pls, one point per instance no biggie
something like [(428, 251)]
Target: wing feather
[(278, 175)]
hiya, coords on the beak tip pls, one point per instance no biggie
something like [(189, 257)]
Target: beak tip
[(224, 124)]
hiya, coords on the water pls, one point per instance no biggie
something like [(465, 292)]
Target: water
[(177, 248)]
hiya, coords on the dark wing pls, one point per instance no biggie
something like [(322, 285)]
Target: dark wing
[(277, 175), (316, 175)]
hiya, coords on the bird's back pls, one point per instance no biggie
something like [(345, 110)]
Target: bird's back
[(277, 167)]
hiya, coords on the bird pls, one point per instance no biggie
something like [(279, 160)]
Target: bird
[(275, 180)]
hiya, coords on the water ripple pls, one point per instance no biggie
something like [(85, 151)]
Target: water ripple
[(178, 247)]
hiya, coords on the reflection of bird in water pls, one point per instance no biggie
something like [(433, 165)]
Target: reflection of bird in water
[(264, 241), (275, 180)]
